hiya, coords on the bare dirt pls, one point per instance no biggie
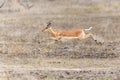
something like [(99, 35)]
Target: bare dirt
[(59, 73)]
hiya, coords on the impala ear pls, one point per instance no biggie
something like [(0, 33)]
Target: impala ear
[(48, 24)]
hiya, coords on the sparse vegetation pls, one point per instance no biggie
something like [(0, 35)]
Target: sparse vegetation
[(28, 54)]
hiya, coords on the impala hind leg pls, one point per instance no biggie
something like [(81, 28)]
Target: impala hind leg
[(91, 35), (85, 36)]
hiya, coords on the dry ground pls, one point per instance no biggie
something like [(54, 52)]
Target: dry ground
[(27, 54)]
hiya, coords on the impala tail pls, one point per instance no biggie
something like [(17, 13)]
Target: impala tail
[(88, 29)]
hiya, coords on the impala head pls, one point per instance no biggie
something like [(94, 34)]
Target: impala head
[(48, 26)]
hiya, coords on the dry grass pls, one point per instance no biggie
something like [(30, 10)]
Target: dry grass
[(23, 43), (21, 31)]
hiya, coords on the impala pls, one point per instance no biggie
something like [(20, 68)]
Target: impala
[(58, 35)]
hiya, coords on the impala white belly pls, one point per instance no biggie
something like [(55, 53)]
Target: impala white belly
[(68, 38)]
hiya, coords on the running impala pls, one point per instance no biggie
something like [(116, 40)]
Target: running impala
[(58, 35)]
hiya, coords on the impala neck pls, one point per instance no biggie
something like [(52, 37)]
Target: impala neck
[(53, 32)]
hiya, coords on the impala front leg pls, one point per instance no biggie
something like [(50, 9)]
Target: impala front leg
[(53, 38), (56, 38)]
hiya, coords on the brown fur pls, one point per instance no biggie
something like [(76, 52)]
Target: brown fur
[(58, 35), (70, 34)]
